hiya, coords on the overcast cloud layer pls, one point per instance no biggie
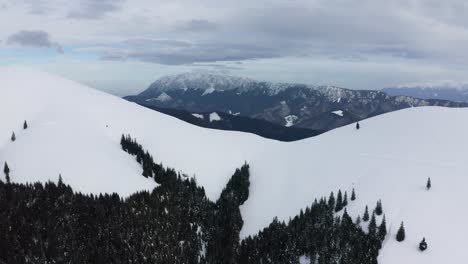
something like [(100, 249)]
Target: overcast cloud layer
[(366, 44)]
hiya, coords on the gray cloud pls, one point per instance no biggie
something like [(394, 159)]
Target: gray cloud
[(35, 38), (197, 25), (174, 52), (95, 9), (37, 7)]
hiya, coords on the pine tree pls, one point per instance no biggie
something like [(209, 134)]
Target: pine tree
[(358, 126), (401, 233), (339, 202), (60, 180), (25, 125), (378, 208), (6, 170), (345, 199), (423, 244), (365, 217), (383, 229), (373, 225), (331, 201), (353, 195), (358, 220), (13, 136), (428, 184)]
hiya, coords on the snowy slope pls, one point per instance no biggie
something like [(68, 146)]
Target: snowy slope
[(75, 130)]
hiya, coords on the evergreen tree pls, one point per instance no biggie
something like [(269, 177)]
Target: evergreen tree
[(423, 244), (60, 180), (401, 233), (331, 201), (428, 184), (378, 208), (358, 220), (13, 136), (339, 202), (358, 126), (382, 229), (6, 170), (365, 217), (353, 195), (25, 125), (373, 225), (345, 199)]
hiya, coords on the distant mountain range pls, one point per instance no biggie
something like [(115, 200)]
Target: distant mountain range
[(318, 108), (459, 94)]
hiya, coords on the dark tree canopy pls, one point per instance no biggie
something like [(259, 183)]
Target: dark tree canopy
[(353, 195), (401, 233), (423, 244), (378, 208), (365, 216)]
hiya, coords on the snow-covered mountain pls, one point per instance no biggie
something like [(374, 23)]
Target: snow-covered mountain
[(286, 104), (456, 94), (75, 131)]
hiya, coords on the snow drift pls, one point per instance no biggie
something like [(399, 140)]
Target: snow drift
[(75, 131)]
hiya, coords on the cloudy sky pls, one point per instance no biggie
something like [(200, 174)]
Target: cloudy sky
[(122, 46)]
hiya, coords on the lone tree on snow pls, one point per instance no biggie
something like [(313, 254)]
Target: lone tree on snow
[(13, 136), (400, 236), (378, 208), (423, 244), (6, 170), (365, 217), (25, 125), (358, 126), (428, 184), (353, 196)]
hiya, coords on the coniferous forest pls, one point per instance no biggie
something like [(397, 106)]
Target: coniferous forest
[(174, 223)]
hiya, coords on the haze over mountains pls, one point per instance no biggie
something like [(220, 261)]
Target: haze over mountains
[(318, 108), (75, 131), (458, 93)]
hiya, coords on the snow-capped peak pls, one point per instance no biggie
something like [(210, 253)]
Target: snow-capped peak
[(205, 81)]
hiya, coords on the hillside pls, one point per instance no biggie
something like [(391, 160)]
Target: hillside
[(75, 131), (233, 122)]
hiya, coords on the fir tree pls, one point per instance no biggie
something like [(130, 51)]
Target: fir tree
[(358, 220), (382, 229), (365, 217), (353, 195), (358, 126), (25, 125), (428, 184), (339, 202), (6, 170), (331, 201), (60, 180), (423, 244), (401, 233), (378, 208), (345, 199), (373, 225), (13, 136)]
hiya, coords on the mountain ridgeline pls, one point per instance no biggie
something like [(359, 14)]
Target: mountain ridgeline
[(458, 94), (174, 223), (319, 108)]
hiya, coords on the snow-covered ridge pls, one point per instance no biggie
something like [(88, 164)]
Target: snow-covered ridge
[(211, 82), (75, 130)]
